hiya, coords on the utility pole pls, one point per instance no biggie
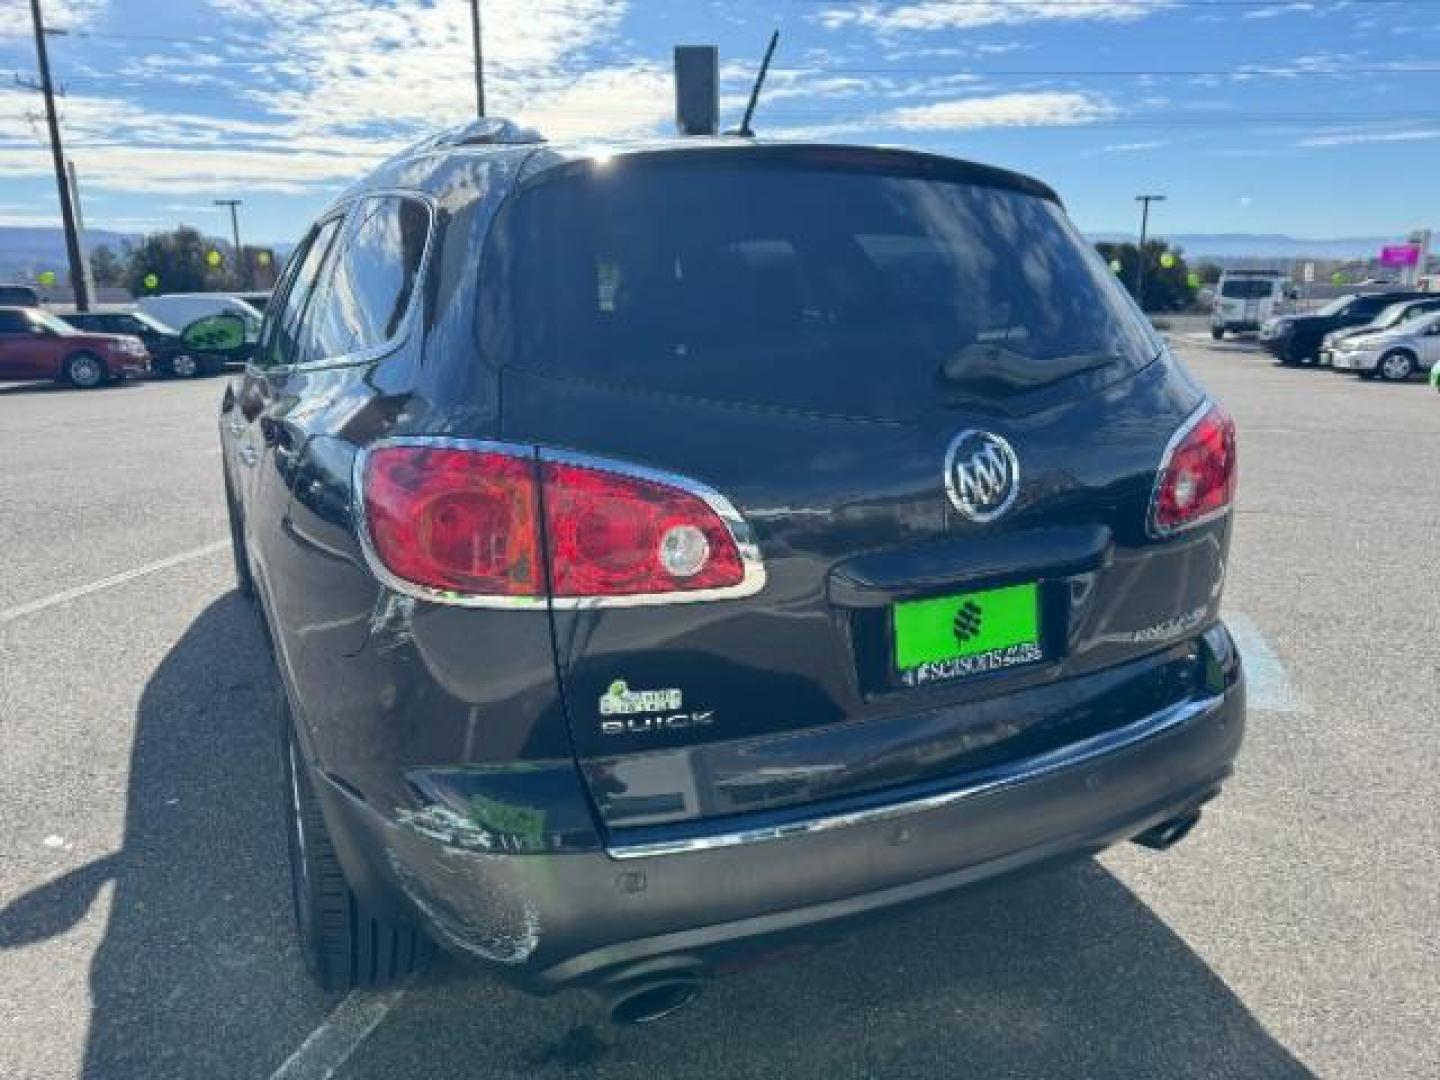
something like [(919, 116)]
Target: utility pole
[(90, 290), (1145, 201), (62, 181), (479, 59), (241, 264)]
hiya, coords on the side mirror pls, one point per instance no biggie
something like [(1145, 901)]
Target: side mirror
[(215, 333)]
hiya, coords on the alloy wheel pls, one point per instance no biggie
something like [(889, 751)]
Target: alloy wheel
[(1395, 367), (85, 371)]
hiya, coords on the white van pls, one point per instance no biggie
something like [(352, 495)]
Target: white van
[(1245, 299), (179, 310)]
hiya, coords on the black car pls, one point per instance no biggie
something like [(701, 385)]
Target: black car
[(671, 548), (168, 352), (1297, 339), (25, 296)]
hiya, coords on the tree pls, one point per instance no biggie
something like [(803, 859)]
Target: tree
[(105, 266), (1209, 273), (1167, 284), (176, 262)]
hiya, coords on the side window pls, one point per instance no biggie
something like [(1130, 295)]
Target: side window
[(279, 336), (376, 273), (12, 322)]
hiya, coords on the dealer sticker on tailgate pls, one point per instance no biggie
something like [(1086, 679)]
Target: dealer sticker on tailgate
[(955, 636)]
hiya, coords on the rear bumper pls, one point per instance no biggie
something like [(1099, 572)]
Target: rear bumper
[(584, 917)]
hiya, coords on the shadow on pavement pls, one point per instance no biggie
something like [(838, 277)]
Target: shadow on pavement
[(197, 975), (1061, 974), (51, 387), (1056, 975)]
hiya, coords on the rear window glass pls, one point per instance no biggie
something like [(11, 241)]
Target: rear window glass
[(802, 287), (1247, 289)]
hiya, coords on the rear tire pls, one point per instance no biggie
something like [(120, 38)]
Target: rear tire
[(1396, 366), (344, 944), (1217, 332), (85, 371)]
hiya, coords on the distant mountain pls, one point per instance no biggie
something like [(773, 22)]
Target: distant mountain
[(1263, 245), (27, 250)]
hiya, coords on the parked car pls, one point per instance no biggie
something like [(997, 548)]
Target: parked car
[(1392, 316), (257, 300), (35, 344), (746, 538), (1297, 339), (19, 296), (1393, 354), (1246, 299), (168, 354), (181, 309)]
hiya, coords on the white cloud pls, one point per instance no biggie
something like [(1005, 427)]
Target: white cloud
[(408, 68), (326, 93), (929, 15), (1361, 136), (1046, 108), (616, 102), (59, 15), (1277, 11), (1133, 147)]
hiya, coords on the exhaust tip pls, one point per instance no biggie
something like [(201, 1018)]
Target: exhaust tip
[(644, 1003), (1168, 833)]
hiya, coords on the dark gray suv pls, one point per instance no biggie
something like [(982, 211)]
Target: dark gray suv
[(670, 548)]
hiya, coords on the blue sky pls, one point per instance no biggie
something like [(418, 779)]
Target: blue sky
[(1318, 119)]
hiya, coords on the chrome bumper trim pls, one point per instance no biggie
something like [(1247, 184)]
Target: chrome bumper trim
[(987, 782)]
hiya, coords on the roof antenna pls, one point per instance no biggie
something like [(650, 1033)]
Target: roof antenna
[(745, 131)]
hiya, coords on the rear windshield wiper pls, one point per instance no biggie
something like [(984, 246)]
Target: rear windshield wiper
[(995, 365)]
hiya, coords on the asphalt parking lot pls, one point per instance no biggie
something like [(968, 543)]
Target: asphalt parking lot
[(145, 927)]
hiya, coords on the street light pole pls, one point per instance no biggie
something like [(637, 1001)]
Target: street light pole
[(240, 262), (62, 179), (1144, 201), (479, 59)]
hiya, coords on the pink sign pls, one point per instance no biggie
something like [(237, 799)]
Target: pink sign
[(1400, 255)]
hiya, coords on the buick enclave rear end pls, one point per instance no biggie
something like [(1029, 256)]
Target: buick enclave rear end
[(674, 549)]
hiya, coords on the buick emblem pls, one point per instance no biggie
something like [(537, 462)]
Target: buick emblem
[(982, 475)]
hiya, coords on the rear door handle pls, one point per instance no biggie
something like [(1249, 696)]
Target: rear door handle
[(248, 454), (237, 427)]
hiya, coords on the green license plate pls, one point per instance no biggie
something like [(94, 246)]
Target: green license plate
[(967, 634)]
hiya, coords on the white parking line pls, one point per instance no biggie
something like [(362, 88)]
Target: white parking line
[(330, 1045), (20, 611), (1267, 683)]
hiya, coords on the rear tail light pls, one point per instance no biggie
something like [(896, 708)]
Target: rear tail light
[(455, 520), (1197, 476), (500, 526), (621, 535)]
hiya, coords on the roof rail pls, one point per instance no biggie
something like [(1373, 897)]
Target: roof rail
[(487, 131)]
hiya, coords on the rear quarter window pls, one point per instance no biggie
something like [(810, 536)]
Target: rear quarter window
[(376, 270)]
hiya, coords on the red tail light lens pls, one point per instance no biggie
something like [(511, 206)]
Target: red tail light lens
[(1198, 474), (463, 521), (618, 535), (462, 524)]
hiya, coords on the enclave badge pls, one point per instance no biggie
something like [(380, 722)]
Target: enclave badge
[(982, 475)]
